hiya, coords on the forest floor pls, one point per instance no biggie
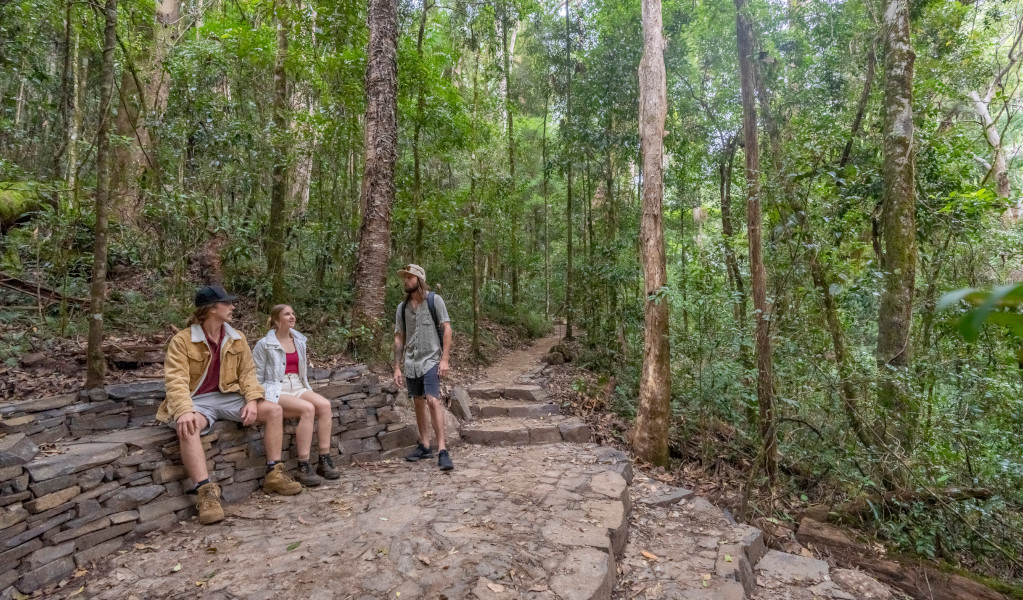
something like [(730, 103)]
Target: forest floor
[(550, 521)]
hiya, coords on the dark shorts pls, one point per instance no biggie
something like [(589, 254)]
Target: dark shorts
[(427, 385)]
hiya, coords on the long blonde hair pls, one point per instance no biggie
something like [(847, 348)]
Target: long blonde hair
[(275, 315), (200, 314)]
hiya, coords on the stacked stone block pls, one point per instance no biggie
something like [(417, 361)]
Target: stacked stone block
[(80, 477)]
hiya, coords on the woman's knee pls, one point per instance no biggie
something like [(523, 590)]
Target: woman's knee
[(270, 411)]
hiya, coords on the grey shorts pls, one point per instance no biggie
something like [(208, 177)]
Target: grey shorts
[(218, 406)]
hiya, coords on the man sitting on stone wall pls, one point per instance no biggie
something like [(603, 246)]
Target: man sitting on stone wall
[(209, 375)]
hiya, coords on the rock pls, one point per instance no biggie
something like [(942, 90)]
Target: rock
[(544, 434), (497, 434), (584, 574), (144, 438), (40, 404), (400, 438), (33, 360), (8, 473), (89, 423), (532, 393), (667, 499), (452, 437), (153, 388), (564, 351), (349, 373), (36, 531), (732, 564), (460, 404), (46, 575), (52, 500), (134, 497), (84, 529), (78, 458), (388, 416), (575, 431), (17, 424), (10, 517), (166, 473), (87, 557), (532, 411), (486, 391), (316, 373), (48, 554), (554, 358), (789, 568), (52, 485), (611, 485), (89, 540), (825, 534), (861, 585), (16, 449), (338, 390)]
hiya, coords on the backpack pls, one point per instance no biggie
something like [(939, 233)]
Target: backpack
[(433, 315)]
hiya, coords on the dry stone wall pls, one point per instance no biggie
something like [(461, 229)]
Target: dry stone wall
[(80, 477)]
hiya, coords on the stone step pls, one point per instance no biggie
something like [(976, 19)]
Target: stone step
[(514, 408), (508, 431), (515, 391)]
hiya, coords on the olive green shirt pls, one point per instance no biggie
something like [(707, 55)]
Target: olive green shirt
[(422, 346)]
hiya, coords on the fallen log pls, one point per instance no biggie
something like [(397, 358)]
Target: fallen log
[(45, 294), (916, 578), (896, 501)]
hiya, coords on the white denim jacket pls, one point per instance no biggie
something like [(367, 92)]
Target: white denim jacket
[(271, 361)]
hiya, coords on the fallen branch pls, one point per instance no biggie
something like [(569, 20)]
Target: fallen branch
[(43, 293), (898, 500)]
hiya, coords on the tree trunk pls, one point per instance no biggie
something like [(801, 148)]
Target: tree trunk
[(474, 218), (895, 317), (145, 88), (727, 231), (514, 211), (650, 435), (417, 177), (381, 139), (546, 214), (569, 313), (95, 359), (274, 244), (765, 387)]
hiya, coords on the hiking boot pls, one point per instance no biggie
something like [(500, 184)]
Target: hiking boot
[(326, 468), (444, 461), (307, 475), (208, 503), (279, 482), (421, 451)]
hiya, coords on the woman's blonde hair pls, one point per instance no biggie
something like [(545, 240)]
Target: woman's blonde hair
[(199, 314), (275, 315)]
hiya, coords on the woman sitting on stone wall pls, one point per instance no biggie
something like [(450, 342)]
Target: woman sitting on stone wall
[(281, 365)]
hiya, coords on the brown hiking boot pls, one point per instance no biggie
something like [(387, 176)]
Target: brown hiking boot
[(307, 476), (208, 503), (279, 482)]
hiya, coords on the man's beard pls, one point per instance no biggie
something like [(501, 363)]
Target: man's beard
[(411, 290)]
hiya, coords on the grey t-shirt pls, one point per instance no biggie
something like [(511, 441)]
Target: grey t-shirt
[(422, 346)]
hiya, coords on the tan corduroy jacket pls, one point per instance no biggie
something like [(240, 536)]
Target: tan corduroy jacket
[(188, 359)]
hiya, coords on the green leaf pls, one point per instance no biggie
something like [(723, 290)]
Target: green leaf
[(294, 545), (970, 324)]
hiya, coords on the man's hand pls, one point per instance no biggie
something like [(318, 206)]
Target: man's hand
[(443, 370), (249, 413), (188, 424), (398, 379)]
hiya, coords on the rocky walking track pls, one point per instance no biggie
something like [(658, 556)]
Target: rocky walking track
[(532, 510)]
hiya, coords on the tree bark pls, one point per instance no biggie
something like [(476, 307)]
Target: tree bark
[(417, 132), (546, 214), (895, 316), (274, 244), (728, 232), (514, 211), (381, 137), (569, 66), (650, 435), (95, 359), (765, 383)]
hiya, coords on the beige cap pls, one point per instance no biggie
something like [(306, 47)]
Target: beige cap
[(411, 269)]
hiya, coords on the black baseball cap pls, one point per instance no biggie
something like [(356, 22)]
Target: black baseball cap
[(211, 294)]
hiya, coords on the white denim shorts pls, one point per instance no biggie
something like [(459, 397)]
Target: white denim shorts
[(293, 386)]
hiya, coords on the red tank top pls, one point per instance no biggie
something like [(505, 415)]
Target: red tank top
[(291, 364)]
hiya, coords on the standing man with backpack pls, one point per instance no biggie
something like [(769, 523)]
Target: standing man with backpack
[(422, 336)]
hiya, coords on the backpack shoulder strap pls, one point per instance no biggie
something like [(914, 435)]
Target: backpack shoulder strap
[(401, 309), (431, 304)]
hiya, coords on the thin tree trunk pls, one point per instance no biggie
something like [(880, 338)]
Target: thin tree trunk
[(765, 386), (650, 435), (417, 177), (546, 214), (77, 117), (728, 232), (274, 245), (381, 127), (569, 312), (515, 207), (861, 107), (95, 359), (474, 218), (895, 317)]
